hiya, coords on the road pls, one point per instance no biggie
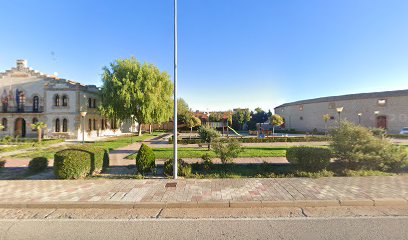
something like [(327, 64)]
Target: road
[(284, 228)]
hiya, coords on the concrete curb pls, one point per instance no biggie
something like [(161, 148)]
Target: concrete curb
[(220, 204)]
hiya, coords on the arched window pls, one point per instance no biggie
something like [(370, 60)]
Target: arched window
[(64, 100), (57, 100), (65, 125), (4, 123), (21, 101), (57, 125), (36, 102), (90, 124), (35, 120), (90, 102)]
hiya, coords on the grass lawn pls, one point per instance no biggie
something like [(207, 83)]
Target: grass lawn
[(110, 144), (165, 153), (29, 144)]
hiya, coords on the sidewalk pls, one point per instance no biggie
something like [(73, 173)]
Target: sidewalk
[(288, 192)]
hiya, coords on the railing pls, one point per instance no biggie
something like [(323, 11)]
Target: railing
[(25, 109)]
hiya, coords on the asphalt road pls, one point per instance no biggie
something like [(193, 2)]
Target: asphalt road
[(298, 228)]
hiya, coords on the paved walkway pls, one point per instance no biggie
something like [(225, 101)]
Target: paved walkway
[(221, 192)]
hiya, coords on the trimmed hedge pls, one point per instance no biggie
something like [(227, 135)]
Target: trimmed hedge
[(184, 169), (262, 140), (309, 158), (145, 159), (38, 164), (80, 161)]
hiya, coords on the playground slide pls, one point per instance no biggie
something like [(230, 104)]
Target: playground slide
[(234, 131)]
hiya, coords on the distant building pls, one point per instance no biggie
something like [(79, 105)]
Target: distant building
[(28, 96), (387, 110)]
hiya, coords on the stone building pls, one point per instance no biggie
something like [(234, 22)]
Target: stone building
[(387, 110), (28, 96)]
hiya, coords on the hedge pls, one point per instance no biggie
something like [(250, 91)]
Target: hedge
[(38, 164), (80, 161), (309, 158), (184, 169), (145, 159), (261, 140)]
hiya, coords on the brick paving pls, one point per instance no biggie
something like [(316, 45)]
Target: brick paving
[(204, 190)]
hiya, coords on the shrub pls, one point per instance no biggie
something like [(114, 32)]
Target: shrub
[(38, 164), (359, 149), (208, 134), (207, 161), (322, 173), (145, 159), (309, 158), (7, 139), (184, 169), (2, 163), (100, 159), (227, 150), (73, 163), (364, 173)]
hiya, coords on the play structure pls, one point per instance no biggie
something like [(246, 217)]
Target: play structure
[(226, 128), (234, 131)]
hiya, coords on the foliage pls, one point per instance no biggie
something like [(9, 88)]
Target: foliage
[(260, 140), (326, 118), (215, 117), (207, 161), (318, 174), (364, 173), (145, 159), (311, 159), (184, 169), (378, 132), (276, 120), (208, 134), (192, 121), (131, 88), (38, 164), (259, 116), (1, 127), (227, 150), (183, 111), (39, 126), (358, 148), (240, 117), (72, 164), (98, 156)]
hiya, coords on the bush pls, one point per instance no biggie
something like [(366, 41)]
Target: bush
[(145, 159), (319, 174), (227, 150), (208, 134), (38, 164), (73, 163), (309, 158), (184, 169), (207, 161), (2, 163), (359, 149), (100, 158), (364, 173)]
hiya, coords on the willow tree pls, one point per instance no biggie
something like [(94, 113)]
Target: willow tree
[(142, 90)]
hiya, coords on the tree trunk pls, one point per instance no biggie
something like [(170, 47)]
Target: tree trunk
[(191, 132), (39, 135), (140, 130), (150, 128)]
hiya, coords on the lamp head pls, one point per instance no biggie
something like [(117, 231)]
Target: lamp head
[(83, 113), (339, 109)]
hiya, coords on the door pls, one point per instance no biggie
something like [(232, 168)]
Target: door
[(382, 122), (20, 127)]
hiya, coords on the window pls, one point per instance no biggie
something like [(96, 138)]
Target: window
[(21, 101), (4, 123), (90, 102), (94, 124), (382, 102), (64, 101), (57, 125), (331, 117), (94, 103), (35, 103), (35, 120), (332, 105), (57, 100), (90, 124), (65, 125)]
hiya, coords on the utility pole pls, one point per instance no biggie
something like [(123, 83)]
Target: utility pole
[(175, 168)]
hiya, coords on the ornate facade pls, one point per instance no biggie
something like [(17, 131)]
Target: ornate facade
[(28, 96)]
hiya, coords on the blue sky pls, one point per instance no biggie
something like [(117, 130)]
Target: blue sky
[(232, 53)]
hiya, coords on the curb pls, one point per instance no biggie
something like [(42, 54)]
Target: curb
[(221, 204)]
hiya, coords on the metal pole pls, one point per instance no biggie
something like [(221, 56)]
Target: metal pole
[(175, 93)]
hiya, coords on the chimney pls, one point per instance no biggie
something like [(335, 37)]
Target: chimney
[(21, 63)]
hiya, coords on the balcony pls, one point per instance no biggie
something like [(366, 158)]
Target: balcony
[(25, 109)]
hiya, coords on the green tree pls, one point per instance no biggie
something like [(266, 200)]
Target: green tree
[(208, 134), (227, 150), (131, 88), (39, 126), (276, 120), (326, 118), (259, 116), (215, 116), (191, 122)]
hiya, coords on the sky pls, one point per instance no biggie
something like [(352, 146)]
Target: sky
[(232, 53)]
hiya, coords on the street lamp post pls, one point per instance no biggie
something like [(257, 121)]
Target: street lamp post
[(359, 118), (175, 168), (339, 110), (83, 114)]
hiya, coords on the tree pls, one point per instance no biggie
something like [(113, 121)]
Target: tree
[(215, 117), (227, 150), (326, 118), (276, 120), (208, 134), (240, 117), (191, 122), (183, 111), (39, 126), (259, 116), (131, 88)]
